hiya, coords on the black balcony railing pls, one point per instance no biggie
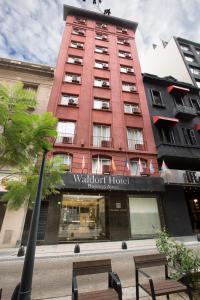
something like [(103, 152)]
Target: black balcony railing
[(185, 111), (65, 138), (137, 145)]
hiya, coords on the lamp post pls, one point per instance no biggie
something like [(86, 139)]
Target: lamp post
[(27, 272)]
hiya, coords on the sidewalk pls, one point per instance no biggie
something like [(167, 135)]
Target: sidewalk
[(100, 248)]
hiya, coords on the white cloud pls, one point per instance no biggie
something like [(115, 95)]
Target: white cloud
[(32, 29)]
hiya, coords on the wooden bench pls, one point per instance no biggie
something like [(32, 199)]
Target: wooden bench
[(114, 291), (156, 287)]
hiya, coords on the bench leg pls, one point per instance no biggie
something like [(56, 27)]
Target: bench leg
[(189, 293), (136, 285), (167, 297)]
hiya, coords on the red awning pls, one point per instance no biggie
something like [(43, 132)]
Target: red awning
[(176, 88), (160, 120), (197, 126)]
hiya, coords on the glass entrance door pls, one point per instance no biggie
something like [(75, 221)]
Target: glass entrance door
[(144, 216), (82, 217)]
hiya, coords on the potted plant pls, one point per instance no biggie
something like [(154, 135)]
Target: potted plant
[(185, 261)]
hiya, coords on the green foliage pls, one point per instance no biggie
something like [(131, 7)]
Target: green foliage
[(23, 189), (182, 259), (23, 134)]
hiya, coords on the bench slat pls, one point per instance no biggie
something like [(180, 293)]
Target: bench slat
[(108, 294), (91, 267), (150, 260)]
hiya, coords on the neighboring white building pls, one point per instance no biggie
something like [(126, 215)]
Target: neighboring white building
[(179, 58), (40, 78)]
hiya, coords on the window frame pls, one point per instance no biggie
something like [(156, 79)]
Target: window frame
[(171, 135), (153, 98), (189, 136), (69, 96)]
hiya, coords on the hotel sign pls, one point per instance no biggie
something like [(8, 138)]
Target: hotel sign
[(109, 182)]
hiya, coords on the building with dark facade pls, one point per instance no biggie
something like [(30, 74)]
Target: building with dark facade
[(105, 140), (179, 57), (175, 114)]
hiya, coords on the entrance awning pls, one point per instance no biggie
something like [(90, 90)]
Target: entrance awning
[(176, 88), (197, 127), (160, 120)]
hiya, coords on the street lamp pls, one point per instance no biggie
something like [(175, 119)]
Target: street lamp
[(27, 272)]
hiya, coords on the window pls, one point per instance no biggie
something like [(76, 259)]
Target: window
[(101, 136), (126, 69), (128, 87), (99, 82), (75, 78), (144, 216), (121, 30), (198, 83), (75, 60), (67, 99), (195, 71), (124, 54), (78, 45), (80, 20), (184, 47), (135, 167), (78, 31), (197, 51), (195, 103), (156, 98), (101, 165), (121, 41), (179, 100), (101, 104), (65, 160), (189, 58), (30, 86), (167, 135), (100, 49), (135, 139), (189, 135), (101, 64), (100, 36), (130, 108), (101, 25), (65, 132)]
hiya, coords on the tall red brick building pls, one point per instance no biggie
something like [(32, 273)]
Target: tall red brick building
[(105, 140)]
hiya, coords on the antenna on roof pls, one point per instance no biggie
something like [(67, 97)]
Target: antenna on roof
[(97, 3), (164, 43), (154, 46)]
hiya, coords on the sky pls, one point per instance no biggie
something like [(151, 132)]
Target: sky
[(31, 30)]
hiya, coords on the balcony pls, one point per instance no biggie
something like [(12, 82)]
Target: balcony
[(185, 111), (101, 142), (136, 145), (65, 138), (180, 176), (177, 151)]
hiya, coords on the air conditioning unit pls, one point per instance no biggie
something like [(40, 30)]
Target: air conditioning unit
[(132, 89), (105, 144), (106, 169), (82, 21), (77, 61), (104, 37), (105, 84), (139, 147), (126, 42), (136, 110), (127, 55), (146, 172), (103, 26), (80, 46), (129, 70), (75, 79), (67, 140), (105, 66), (105, 105), (81, 32), (124, 30), (72, 101), (105, 51)]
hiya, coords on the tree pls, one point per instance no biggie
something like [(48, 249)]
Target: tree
[(24, 136)]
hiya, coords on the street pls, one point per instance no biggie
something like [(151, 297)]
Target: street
[(52, 277)]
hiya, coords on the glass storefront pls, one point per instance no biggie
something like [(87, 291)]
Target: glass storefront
[(144, 216), (82, 217)]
